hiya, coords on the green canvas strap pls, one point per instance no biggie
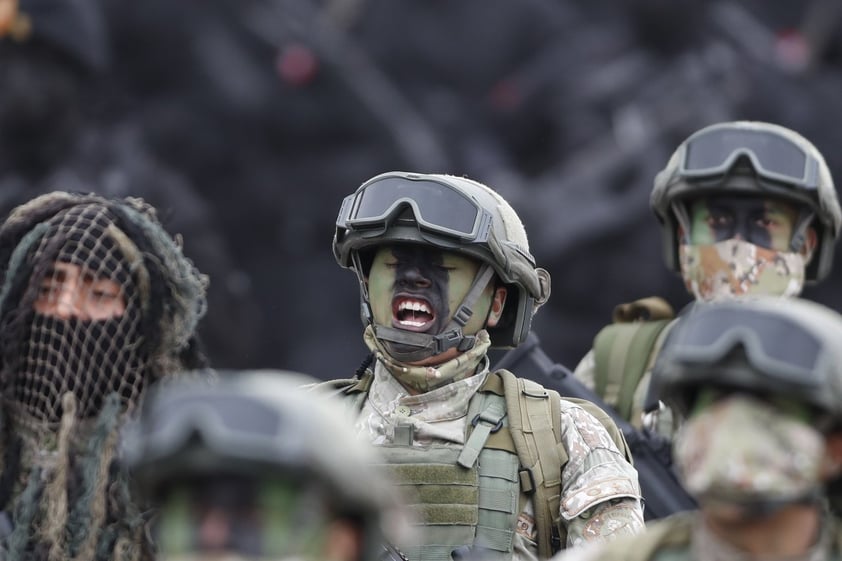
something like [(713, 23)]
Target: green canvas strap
[(534, 417), (623, 349), (489, 420)]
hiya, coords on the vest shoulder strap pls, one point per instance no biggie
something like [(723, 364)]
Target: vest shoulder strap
[(623, 350), (534, 418)]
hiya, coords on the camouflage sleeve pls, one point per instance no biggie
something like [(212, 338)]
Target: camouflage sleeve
[(586, 370), (600, 496)]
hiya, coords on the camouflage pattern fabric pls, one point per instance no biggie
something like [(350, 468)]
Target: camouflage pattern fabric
[(600, 494), (735, 268), (429, 378), (740, 449), (685, 537)]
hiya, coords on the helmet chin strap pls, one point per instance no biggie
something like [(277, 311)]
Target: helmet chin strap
[(450, 337), (802, 224)]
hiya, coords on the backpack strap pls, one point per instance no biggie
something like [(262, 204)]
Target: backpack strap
[(534, 416), (623, 350)]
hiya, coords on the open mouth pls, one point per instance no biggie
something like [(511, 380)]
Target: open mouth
[(412, 314)]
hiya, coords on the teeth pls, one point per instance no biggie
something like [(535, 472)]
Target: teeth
[(414, 306), (412, 323)]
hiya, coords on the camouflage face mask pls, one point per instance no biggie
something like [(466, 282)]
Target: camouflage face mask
[(741, 453), (734, 268)]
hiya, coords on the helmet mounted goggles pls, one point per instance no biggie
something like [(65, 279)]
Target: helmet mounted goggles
[(453, 214), (437, 208), (714, 151), (782, 357), (784, 165)]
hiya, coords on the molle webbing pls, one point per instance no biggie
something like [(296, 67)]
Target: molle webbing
[(457, 506)]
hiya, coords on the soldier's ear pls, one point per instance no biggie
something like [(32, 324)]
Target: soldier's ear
[(832, 465), (498, 302), (809, 245)]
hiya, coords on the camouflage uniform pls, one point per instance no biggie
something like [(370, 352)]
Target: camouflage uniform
[(600, 490), (419, 408), (733, 267), (760, 385)]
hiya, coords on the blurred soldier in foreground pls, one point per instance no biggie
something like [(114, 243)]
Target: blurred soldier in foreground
[(497, 463), (97, 303), (254, 467), (746, 208), (760, 384)]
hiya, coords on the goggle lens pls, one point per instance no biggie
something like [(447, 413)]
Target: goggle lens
[(772, 155), (437, 206), (776, 346), (233, 415)]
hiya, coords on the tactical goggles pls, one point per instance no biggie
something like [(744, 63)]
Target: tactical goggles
[(231, 424), (437, 207), (776, 346), (714, 151)]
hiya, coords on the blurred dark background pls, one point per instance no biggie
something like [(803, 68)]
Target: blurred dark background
[(246, 121)]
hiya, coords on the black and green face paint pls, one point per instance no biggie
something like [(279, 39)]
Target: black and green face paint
[(417, 288), (764, 222)]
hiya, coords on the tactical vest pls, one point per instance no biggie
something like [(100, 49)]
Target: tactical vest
[(625, 351), (472, 496)]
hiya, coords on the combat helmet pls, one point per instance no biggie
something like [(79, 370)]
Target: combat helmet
[(762, 345), (257, 423), (750, 157), (453, 214)]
